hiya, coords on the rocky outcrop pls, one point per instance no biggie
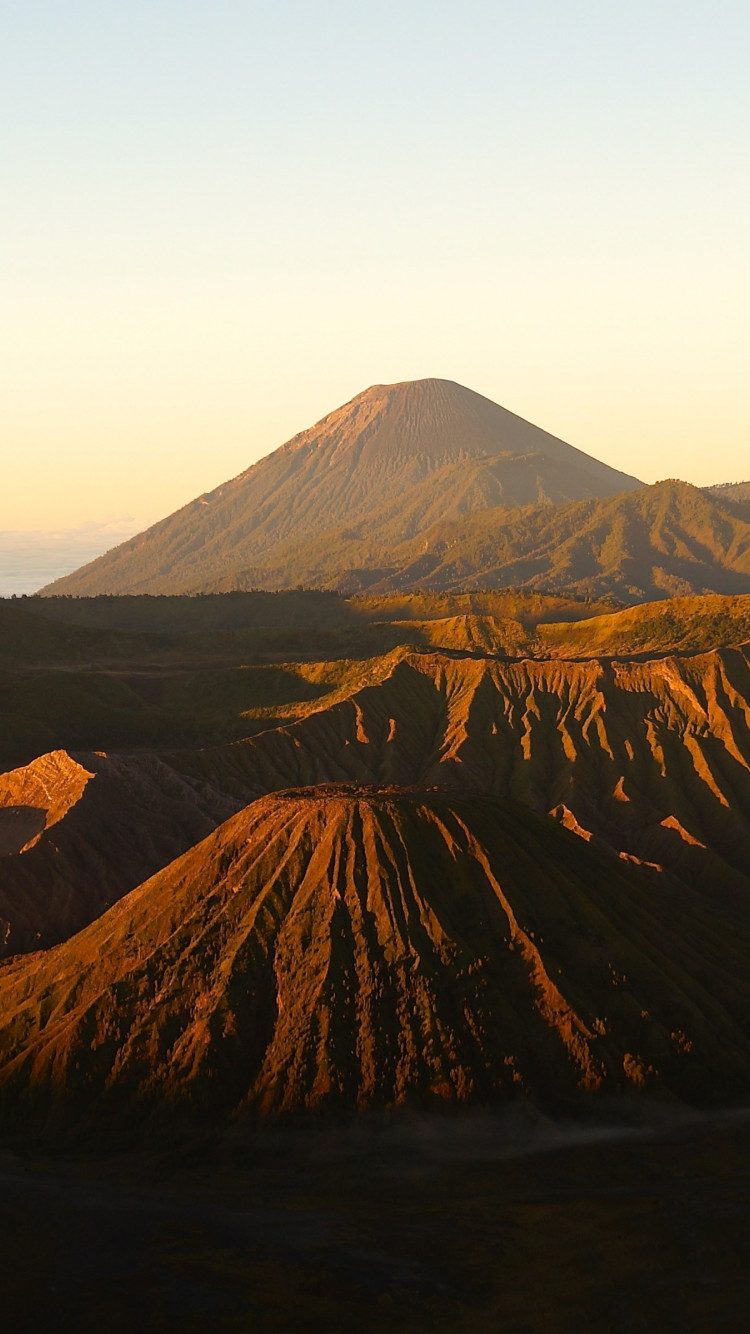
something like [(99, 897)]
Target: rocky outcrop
[(78, 833)]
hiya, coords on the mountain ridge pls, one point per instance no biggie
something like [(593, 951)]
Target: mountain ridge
[(650, 758), (662, 540), (331, 949), (398, 449)]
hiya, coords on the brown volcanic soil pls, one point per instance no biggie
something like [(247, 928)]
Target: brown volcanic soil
[(36, 797), (653, 758), (77, 834), (336, 948)]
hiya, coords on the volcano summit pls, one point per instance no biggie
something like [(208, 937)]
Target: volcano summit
[(389, 465)]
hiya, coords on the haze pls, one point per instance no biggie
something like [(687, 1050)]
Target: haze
[(221, 220)]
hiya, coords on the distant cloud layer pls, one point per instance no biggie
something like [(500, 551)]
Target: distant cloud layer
[(31, 559)]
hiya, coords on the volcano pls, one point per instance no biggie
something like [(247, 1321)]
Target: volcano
[(389, 465), (335, 948)]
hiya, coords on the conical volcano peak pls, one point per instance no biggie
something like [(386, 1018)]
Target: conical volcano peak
[(435, 418), (386, 466)]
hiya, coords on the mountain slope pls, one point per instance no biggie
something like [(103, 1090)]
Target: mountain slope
[(396, 459), (679, 625), (337, 949), (654, 542), (738, 492), (310, 626), (651, 758), (78, 833)]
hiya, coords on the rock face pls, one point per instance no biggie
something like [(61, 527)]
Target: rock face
[(37, 797), (651, 758), (78, 833), (396, 459), (342, 948)]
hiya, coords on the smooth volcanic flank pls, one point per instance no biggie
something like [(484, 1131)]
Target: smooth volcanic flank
[(395, 460), (337, 948)]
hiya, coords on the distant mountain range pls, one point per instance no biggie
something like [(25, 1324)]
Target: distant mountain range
[(387, 466), (654, 542), (427, 485), (737, 491)]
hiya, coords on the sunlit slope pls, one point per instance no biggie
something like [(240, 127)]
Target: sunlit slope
[(652, 757), (684, 625), (654, 542), (681, 624), (527, 607), (739, 492), (36, 797), (660, 541), (78, 833), (333, 949), (396, 460)]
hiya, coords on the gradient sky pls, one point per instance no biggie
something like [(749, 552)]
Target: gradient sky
[(222, 219)]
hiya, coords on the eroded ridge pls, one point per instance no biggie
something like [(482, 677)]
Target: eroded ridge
[(340, 948)]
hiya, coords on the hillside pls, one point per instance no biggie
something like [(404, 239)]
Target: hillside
[(651, 758), (193, 688), (248, 628), (78, 833), (338, 949), (654, 542), (390, 464), (309, 610), (739, 492), (677, 625), (28, 636)]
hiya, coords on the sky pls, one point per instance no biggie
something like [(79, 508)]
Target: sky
[(223, 218)]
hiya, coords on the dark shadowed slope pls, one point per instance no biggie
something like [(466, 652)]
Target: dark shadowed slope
[(240, 629), (340, 949), (396, 459), (28, 636)]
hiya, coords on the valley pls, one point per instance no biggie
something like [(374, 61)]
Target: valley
[(116, 768), (429, 830), (375, 744), (451, 841)]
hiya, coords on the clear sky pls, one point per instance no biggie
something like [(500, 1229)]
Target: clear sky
[(222, 218)]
